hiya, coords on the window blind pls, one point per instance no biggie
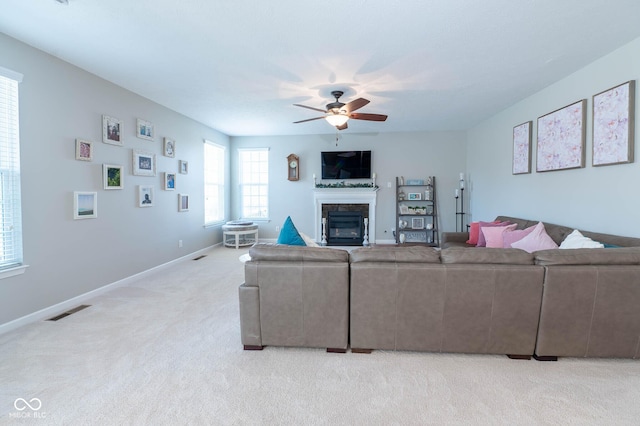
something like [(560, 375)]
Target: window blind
[(10, 209)]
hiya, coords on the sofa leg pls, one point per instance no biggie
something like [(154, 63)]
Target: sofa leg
[(253, 347), (525, 357), (337, 350), (360, 351), (545, 357)]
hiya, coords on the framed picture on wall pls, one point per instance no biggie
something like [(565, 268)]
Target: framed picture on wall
[(112, 176), (613, 125), (85, 205), (183, 202), (145, 196), (169, 181), (561, 138), (184, 167), (112, 131), (169, 147), (145, 130), (84, 150), (522, 148), (144, 163)]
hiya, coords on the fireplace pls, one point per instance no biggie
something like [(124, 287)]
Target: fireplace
[(345, 199), (345, 228)]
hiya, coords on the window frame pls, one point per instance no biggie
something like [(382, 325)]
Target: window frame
[(221, 172), (242, 185), (10, 175)]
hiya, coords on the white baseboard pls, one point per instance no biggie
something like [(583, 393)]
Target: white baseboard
[(61, 307)]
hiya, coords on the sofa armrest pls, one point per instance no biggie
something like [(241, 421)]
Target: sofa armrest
[(455, 239)]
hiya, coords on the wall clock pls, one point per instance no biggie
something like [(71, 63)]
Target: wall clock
[(293, 167)]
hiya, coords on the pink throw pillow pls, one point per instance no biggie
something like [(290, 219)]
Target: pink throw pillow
[(474, 230), (510, 237), (538, 239), (482, 242), (493, 235)]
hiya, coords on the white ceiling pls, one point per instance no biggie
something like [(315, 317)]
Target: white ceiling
[(238, 66)]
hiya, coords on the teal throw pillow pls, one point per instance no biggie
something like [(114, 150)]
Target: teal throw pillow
[(289, 235)]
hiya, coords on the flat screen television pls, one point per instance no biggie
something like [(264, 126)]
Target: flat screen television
[(346, 165)]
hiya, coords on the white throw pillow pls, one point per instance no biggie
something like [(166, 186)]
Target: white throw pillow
[(308, 240), (576, 240)]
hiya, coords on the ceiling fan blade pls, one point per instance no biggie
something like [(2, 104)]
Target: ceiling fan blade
[(344, 126), (308, 107), (370, 117), (355, 104), (308, 119)]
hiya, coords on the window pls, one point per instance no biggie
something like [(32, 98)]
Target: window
[(213, 183), (254, 183), (10, 211)]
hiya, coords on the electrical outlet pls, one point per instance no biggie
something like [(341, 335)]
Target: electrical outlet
[(388, 184), (179, 243), (277, 228)]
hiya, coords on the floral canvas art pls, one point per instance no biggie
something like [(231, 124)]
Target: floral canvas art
[(561, 138), (613, 112), (522, 148)]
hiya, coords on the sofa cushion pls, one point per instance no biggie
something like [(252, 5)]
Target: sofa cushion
[(576, 240), (482, 241), (289, 234), (411, 254), (510, 237), (613, 256), (493, 235), (538, 239), (486, 255), (275, 252)]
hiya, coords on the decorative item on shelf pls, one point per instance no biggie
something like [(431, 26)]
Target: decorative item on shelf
[(401, 196), (429, 180), (428, 194), (429, 226), (415, 182), (415, 196), (404, 209), (417, 223), (293, 167), (402, 238), (401, 180), (402, 224), (428, 210), (417, 210), (345, 185), (373, 180), (314, 180)]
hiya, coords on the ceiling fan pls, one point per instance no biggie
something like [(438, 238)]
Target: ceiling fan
[(338, 113)]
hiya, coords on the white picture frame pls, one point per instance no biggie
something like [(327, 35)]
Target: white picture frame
[(112, 176), (145, 129), (417, 223), (145, 196), (184, 167), (144, 163), (169, 147), (85, 205), (84, 150), (112, 131), (183, 202), (413, 196), (169, 181)]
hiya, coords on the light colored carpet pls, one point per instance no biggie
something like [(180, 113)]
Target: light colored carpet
[(166, 350)]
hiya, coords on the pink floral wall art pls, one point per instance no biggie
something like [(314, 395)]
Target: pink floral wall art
[(613, 125), (561, 138), (522, 148)]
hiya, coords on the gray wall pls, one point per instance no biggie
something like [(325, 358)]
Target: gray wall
[(603, 199), (412, 155), (67, 257)]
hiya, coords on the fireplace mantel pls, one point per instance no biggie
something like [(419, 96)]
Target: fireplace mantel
[(345, 196)]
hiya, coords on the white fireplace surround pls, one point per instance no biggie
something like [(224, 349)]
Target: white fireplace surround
[(345, 196)]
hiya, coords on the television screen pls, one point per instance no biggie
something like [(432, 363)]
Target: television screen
[(346, 165)]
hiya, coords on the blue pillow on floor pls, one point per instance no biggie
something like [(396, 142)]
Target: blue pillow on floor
[(289, 235)]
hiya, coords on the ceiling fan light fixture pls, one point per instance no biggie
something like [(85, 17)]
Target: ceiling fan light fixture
[(337, 119)]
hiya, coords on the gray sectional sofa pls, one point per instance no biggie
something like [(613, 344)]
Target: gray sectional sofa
[(550, 303)]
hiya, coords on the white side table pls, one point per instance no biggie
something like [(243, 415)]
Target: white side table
[(239, 234)]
